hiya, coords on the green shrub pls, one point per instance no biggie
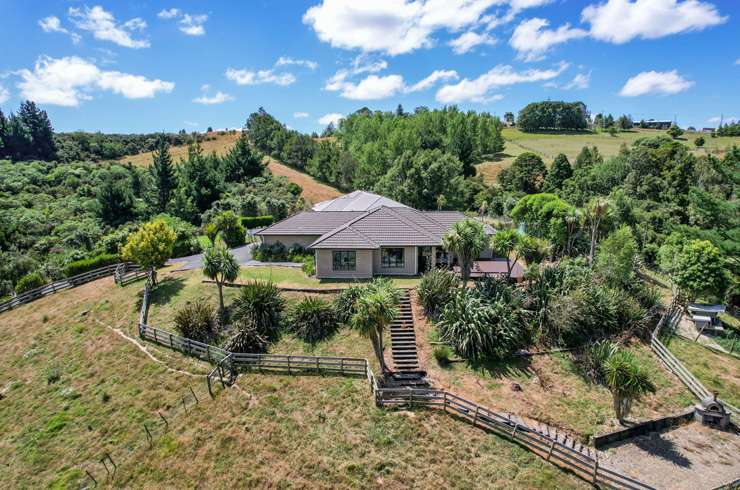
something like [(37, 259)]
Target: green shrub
[(344, 303), (442, 354), (52, 376), (435, 289), (250, 222), (186, 241), (91, 263), (594, 357), (256, 317), (197, 321), (29, 282), (231, 230), (312, 319), (276, 252), (480, 328), (309, 265)]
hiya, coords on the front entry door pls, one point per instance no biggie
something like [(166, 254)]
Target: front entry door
[(425, 259)]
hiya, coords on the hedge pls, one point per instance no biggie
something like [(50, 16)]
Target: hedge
[(250, 222), (29, 282), (91, 263)]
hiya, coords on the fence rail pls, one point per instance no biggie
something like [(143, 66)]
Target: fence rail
[(60, 285)]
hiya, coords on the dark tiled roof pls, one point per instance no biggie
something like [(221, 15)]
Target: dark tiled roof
[(311, 223), (386, 226)]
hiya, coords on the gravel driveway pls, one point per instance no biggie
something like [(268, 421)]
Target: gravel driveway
[(243, 255)]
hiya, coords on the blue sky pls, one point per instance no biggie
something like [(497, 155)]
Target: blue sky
[(145, 66)]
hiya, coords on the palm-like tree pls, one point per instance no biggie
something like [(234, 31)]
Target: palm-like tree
[(596, 211), (466, 239), (375, 310), (220, 265), (627, 380)]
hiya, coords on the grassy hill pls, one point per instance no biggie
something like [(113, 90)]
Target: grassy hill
[(313, 190), (548, 145), (76, 385)]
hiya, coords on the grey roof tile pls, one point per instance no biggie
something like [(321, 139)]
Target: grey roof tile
[(310, 223)]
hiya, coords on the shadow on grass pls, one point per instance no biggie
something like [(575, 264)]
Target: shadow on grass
[(166, 290), (514, 367), (498, 157)]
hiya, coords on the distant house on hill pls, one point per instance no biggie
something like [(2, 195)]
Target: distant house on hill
[(707, 130), (361, 235), (654, 124)]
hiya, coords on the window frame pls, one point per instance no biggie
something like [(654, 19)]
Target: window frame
[(396, 263), (342, 265)]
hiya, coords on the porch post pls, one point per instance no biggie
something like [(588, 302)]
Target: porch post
[(434, 258)]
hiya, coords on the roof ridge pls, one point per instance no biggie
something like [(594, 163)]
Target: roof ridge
[(336, 230), (411, 223)]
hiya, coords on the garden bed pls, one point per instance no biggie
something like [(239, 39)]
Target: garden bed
[(549, 387)]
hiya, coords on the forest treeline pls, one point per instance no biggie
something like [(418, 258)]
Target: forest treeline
[(426, 158)]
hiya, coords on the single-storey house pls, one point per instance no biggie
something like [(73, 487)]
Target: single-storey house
[(361, 235)]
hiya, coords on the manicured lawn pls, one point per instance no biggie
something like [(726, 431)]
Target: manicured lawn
[(295, 277), (717, 372)]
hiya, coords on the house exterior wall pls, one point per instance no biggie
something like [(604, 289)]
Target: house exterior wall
[(363, 263), (289, 240), (410, 262)]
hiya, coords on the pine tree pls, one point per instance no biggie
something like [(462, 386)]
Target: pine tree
[(115, 201), (242, 162), (164, 173), (3, 135), (39, 143), (559, 171)]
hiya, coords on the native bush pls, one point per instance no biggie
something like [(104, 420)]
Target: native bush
[(478, 328), (345, 303), (90, 263), (442, 355), (256, 317), (29, 282), (197, 321), (312, 319), (435, 289)]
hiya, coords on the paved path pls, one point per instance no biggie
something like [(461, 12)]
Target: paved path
[(243, 255)]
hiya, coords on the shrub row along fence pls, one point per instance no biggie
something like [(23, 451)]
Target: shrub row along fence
[(62, 284), (673, 364), (228, 364)]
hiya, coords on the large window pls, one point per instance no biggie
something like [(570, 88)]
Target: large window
[(344, 260), (391, 258)]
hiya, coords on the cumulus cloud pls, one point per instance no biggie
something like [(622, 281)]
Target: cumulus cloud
[(391, 26), (469, 40), (619, 21), (431, 80), (218, 98), (104, 27), (250, 77), (479, 89), (300, 115), (286, 60), (655, 83), (69, 80), (168, 13), (373, 88), (331, 118), (53, 24), (531, 38), (4, 94)]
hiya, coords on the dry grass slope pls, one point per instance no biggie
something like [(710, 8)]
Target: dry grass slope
[(74, 388)]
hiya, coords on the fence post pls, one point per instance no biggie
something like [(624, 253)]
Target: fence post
[(475, 418), (191, 391), (208, 353), (171, 345), (444, 401), (552, 446), (288, 366), (318, 369), (95, 482), (596, 469), (341, 365)]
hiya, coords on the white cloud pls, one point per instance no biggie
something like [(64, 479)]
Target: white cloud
[(531, 40), (723, 119), (619, 21), (300, 115), (168, 13), (479, 89), (249, 77), (286, 60), (737, 61), (218, 98), (373, 88), (4, 95), (391, 26), (580, 81), (67, 81), (53, 24), (432, 79), (192, 25), (104, 27), (469, 40), (331, 118), (655, 83)]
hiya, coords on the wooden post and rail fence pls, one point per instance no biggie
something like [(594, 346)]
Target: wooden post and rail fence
[(227, 364), (123, 273), (673, 364)]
